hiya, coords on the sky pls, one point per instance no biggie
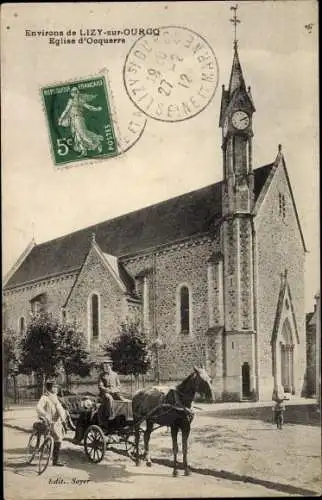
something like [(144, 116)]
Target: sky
[(279, 57)]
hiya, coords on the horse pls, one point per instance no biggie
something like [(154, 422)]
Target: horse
[(169, 407)]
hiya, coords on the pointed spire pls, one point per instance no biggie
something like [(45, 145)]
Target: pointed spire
[(93, 238), (236, 76), (279, 155)]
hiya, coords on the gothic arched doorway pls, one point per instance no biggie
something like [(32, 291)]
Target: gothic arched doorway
[(287, 357), (246, 380)]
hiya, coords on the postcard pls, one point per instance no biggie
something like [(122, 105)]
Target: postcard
[(160, 215)]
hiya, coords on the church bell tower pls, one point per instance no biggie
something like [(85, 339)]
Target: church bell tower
[(237, 235)]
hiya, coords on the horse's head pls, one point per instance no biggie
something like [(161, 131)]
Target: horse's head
[(204, 385)]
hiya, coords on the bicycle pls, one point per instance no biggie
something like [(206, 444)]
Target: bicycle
[(40, 443)]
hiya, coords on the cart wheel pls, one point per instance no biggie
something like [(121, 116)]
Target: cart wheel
[(32, 447), (130, 446), (45, 454), (94, 444)]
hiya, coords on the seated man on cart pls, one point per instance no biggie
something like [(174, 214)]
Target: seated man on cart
[(109, 390)]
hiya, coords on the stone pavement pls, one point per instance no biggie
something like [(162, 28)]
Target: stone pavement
[(115, 477), (238, 443)]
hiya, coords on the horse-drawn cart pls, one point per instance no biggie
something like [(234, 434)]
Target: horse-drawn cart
[(98, 436), (154, 406)]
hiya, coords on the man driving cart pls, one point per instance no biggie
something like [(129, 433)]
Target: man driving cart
[(109, 390), (109, 387)]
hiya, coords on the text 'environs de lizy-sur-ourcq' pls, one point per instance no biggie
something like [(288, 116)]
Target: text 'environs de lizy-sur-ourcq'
[(88, 36)]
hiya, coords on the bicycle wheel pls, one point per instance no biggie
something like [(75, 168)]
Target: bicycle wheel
[(32, 447), (45, 454)]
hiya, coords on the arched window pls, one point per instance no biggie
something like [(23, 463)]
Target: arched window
[(94, 316), (21, 325), (287, 357), (184, 309)]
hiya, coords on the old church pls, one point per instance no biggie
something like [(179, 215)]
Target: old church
[(216, 275)]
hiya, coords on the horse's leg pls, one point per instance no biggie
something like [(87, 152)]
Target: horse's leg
[(174, 435), (185, 435), (147, 435), (137, 441)]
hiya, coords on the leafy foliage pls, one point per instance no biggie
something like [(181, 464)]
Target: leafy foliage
[(11, 353), (129, 351), (40, 345), (48, 345), (72, 351)]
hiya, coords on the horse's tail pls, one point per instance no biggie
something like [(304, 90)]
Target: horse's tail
[(137, 405)]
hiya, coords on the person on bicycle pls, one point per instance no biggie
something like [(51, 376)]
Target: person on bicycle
[(50, 409), (109, 389)]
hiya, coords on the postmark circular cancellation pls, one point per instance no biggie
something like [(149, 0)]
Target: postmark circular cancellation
[(171, 76)]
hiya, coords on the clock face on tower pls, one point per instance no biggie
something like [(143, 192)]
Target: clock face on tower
[(240, 120)]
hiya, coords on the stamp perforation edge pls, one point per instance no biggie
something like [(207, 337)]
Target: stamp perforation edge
[(111, 105)]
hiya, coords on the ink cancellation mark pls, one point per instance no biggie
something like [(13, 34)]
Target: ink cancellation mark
[(79, 120), (172, 76)]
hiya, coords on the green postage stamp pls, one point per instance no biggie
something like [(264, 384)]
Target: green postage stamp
[(79, 120)]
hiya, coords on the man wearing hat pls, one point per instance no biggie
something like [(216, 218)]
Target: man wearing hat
[(109, 389), (50, 408)]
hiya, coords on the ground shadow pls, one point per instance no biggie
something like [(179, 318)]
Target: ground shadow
[(232, 476), (294, 414), (112, 468)]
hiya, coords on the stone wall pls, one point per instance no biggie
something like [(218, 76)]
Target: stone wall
[(279, 247), (17, 300), (95, 278), (180, 264)]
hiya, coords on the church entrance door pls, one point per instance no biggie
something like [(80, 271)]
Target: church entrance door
[(246, 380)]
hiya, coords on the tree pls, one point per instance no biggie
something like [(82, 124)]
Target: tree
[(40, 353), (72, 352), (11, 358), (129, 351), (48, 345)]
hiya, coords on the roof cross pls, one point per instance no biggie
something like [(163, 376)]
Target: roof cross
[(235, 21)]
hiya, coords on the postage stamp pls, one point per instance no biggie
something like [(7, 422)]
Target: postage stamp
[(172, 76), (79, 120)]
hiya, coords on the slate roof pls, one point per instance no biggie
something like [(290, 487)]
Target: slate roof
[(162, 223)]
